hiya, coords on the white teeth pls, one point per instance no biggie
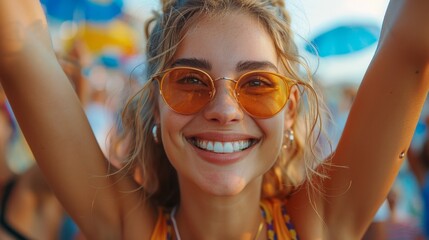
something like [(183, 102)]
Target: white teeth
[(209, 146), (227, 147), (218, 148), (222, 147), (236, 146)]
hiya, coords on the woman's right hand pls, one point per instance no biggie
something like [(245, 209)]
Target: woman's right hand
[(23, 27)]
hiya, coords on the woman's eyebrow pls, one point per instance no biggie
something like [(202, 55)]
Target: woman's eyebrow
[(255, 65), (192, 62)]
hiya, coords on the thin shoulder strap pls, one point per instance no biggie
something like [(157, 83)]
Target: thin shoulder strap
[(278, 222), (3, 222)]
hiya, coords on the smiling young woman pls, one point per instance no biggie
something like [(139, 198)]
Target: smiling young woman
[(225, 133)]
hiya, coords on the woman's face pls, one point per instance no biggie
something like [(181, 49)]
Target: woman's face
[(226, 46)]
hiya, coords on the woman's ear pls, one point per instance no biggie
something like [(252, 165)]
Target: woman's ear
[(291, 110)]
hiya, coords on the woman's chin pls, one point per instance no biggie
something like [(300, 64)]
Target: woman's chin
[(224, 186)]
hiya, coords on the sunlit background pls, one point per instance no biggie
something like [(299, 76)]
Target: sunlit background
[(337, 37), (311, 18)]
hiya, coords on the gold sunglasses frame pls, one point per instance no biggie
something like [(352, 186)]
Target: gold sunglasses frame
[(289, 83)]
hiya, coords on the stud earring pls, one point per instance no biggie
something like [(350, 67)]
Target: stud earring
[(155, 133), (289, 139)]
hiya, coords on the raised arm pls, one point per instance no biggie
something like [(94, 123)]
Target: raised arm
[(379, 128), (55, 125)]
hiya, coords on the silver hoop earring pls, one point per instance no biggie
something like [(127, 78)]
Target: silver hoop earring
[(289, 137), (155, 133)]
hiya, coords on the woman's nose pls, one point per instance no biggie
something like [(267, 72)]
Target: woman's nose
[(224, 107)]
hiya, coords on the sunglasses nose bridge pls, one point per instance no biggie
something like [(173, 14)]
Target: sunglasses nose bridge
[(225, 78), (224, 106), (233, 89)]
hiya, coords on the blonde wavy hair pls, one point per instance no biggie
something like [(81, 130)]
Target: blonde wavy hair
[(165, 30)]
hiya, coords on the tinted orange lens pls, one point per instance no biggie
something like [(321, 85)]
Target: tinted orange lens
[(185, 90), (262, 94)]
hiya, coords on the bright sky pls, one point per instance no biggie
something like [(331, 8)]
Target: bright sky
[(309, 18), (307, 15)]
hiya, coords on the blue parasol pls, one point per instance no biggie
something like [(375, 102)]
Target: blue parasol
[(88, 10), (344, 39)]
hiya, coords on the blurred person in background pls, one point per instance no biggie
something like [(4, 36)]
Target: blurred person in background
[(418, 160), (398, 228), (28, 207)]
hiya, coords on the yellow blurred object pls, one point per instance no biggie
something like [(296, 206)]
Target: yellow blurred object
[(116, 35)]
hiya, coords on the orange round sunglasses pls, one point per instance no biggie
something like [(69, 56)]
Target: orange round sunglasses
[(186, 90)]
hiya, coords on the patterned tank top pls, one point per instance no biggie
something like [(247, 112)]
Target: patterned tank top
[(278, 223)]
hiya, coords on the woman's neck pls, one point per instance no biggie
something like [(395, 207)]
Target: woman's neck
[(204, 216)]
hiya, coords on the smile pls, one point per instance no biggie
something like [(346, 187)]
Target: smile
[(222, 147)]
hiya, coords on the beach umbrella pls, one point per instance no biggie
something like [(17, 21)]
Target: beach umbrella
[(83, 10), (343, 39)]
